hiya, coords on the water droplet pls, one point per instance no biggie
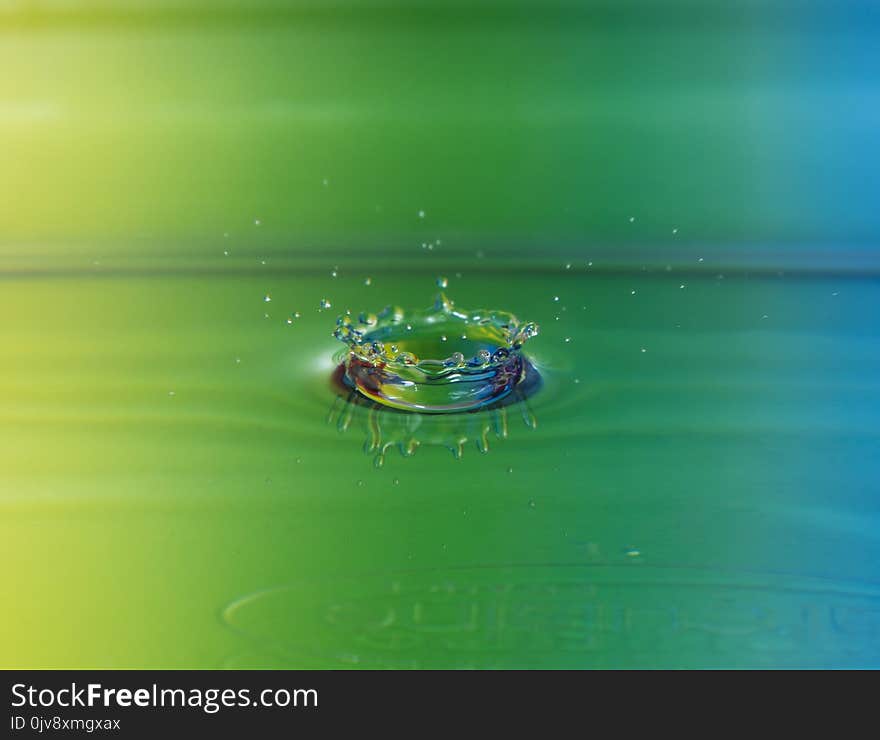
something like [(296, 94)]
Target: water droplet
[(556, 299), (422, 214), (568, 265), (368, 281), (333, 273), (238, 360), (632, 552), (510, 470), (325, 182), (225, 252), (172, 393), (297, 315), (632, 292), (360, 483), (396, 481), (632, 219), (681, 287), (442, 282), (324, 304), (675, 231), (567, 340), (267, 298), (492, 364), (257, 222), (644, 350), (532, 504)]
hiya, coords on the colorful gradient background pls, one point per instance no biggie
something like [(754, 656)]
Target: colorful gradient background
[(697, 183)]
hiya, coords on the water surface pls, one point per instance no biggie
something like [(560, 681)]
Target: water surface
[(699, 489)]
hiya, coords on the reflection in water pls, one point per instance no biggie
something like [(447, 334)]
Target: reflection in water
[(386, 428), (560, 615)]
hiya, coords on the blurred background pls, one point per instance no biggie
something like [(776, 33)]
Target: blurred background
[(683, 194), (524, 125)]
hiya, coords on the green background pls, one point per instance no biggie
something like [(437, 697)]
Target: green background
[(695, 182)]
